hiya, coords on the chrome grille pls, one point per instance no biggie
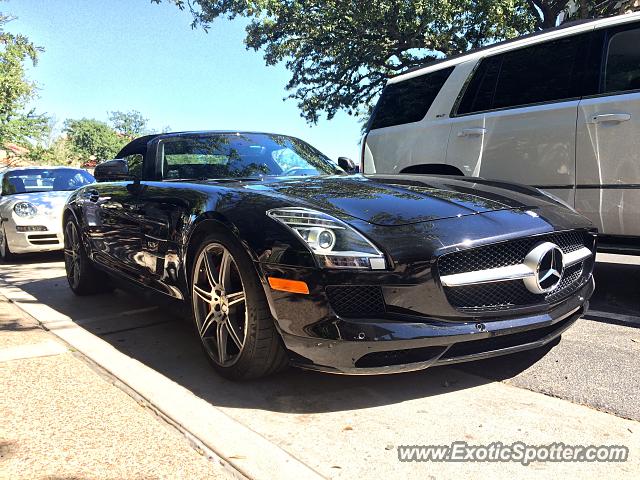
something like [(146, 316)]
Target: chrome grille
[(505, 295), (508, 253)]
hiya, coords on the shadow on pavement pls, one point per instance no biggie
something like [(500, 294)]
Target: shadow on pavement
[(617, 289), (160, 339)]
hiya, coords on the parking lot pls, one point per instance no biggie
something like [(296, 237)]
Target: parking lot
[(583, 391)]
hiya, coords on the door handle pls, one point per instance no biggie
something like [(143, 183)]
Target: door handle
[(472, 132), (610, 117)]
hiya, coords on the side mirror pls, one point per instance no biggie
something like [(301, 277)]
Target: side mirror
[(347, 165), (112, 171)]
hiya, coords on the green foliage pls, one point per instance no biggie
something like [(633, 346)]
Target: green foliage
[(132, 123), (599, 8), (18, 123), (58, 153), (341, 52), (91, 138)]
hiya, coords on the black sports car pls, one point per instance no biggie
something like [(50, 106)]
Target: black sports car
[(283, 258)]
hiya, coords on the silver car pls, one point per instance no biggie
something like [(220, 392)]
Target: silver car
[(31, 204), (558, 110)]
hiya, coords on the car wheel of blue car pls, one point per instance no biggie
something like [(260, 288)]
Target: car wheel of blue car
[(231, 314)]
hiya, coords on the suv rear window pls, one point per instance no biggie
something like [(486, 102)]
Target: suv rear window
[(622, 71), (541, 73), (408, 101)]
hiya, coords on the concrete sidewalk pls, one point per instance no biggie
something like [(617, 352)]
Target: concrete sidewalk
[(59, 418)]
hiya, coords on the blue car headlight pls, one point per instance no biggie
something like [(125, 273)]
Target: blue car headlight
[(25, 210), (334, 243)]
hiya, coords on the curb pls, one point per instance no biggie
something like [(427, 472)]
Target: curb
[(245, 452)]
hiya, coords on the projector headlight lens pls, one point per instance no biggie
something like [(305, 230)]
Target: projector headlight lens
[(326, 239), (25, 209), (334, 243)]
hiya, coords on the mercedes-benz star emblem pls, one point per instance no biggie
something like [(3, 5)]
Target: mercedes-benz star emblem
[(547, 262)]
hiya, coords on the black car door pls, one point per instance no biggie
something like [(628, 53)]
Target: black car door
[(164, 208), (113, 219)]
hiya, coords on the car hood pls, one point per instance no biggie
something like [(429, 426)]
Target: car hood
[(401, 199), (46, 202)]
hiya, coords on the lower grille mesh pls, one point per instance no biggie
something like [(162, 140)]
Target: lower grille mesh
[(356, 300)]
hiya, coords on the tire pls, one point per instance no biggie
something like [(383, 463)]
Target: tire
[(233, 312), (5, 252), (83, 277)]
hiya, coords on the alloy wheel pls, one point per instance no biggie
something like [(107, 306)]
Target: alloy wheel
[(3, 243), (219, 304), (72, 254)]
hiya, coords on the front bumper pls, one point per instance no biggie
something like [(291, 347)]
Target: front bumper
[(392, 346), (39, 241)]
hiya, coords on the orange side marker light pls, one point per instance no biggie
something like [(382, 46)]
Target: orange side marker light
[(284, 285)]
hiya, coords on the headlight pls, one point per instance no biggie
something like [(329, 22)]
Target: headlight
[(25, 209), (334, 243), (556, 199)]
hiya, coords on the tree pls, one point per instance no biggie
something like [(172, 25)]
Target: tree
[(341, 52), (18, 123), (131, 124), (598, 8), (58, 153), (91, 138)]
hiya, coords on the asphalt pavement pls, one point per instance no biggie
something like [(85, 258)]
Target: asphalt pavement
[(554, 394)]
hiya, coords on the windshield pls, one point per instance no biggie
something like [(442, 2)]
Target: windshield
[(233, 155), (44, 180)]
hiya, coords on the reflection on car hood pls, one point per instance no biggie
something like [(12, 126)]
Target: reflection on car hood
[(402, 199), (51, 202)]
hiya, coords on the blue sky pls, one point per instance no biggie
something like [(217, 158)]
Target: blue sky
[(133, 55)]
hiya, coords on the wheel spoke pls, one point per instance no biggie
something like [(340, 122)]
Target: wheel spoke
[(222, 337), (207, 269), (72, 267), (206, 324), (70, 252), (225, 263), (235, 298), (203, 294), (232, 333), (74, 236)]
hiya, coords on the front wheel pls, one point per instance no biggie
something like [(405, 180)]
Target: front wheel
[(231, 313), (83, 277), (5, 252)]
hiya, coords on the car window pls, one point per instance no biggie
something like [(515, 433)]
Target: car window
[(480, 91), (219, 156), (541, 73), (44, 180), (408, 101), (537, 74), (622, 68)]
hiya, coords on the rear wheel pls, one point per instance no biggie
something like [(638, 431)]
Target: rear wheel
[(83, 277), (5, 252), (231, 313)]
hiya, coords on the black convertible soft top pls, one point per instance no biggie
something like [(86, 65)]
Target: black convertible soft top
[(139, 145)]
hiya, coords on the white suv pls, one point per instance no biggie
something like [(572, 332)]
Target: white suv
[(559, 110)]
